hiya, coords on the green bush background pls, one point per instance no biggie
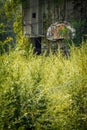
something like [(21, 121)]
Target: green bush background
[(43, 92)]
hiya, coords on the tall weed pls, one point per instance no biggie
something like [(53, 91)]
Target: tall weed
[(44, 92)]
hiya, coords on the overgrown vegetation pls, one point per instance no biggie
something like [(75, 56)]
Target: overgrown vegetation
[(43, 92), (40, 92)]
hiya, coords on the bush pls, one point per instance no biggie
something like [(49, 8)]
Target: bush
[(43, 92)]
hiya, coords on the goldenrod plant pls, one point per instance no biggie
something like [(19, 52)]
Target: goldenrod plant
[(44, 92)]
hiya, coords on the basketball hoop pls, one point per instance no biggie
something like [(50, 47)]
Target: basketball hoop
[(60, 31)]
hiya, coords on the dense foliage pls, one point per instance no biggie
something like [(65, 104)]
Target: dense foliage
[(43, 92), (10, 24)]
